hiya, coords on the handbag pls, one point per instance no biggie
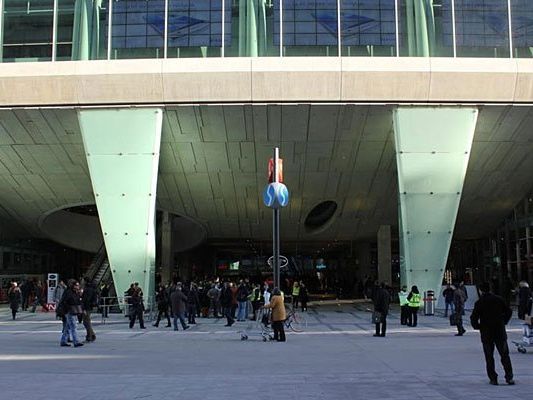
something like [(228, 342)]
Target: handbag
[(377, 317)]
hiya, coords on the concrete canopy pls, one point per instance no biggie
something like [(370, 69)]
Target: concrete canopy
[(213, 167)]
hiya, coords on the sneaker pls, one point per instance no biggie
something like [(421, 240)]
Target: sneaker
[(459, 334), (65, 345), (78, 344), (493, 382), (143, 327), (186, 327), (510, 381)]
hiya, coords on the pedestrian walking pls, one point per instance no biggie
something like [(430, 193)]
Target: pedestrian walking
[(490, 315), (414, 304), (178, 301), (70, 307), (459, 306), (304, 296), (162, 301), (524, 300), (136, 308), (226, 299), (89, 299), (14, 296), (193, 303), (381, 309), (448, 299)]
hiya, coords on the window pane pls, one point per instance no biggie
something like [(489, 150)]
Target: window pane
[(195, 27), (482, 28), (137, 29), (28, 30), (309, 27), (82, 29), (425, 28), (254, 24), (368, 28), (522, 25)]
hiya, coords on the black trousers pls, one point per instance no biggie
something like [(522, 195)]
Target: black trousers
[(135, 315), (227, 314), (13, 313), (404, 314), (279, 331), (412, 320), (502, 347), (191, 313), (160, 314), (459, 322), (382, 325)]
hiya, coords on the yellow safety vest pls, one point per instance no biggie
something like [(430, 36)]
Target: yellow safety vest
[(296, 291), (403, 298), (415, 300)]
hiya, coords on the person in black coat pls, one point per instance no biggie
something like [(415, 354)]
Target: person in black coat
[(490, 315), (136, 308), (89, 299), (162, 305), (14, 296), (381, 305), (226, 300), (193, 303)]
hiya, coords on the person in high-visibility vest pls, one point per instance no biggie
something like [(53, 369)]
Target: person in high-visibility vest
[(295, 294), (414, 304), (404, 305)]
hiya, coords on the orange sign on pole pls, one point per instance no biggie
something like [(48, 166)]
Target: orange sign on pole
[(271, 170)]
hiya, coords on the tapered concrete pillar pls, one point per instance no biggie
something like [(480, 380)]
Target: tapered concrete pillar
[(432, 152), (122, 150), (166, 247), (384, 254)]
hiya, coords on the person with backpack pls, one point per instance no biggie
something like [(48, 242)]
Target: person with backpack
[(89, 299)]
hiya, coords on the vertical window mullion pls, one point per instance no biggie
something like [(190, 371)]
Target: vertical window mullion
[(510, 28), (1, 30), (454, 36), (281, 28), (339, 27), (110, 29), (223, 28), (165, 29), (54, 31)]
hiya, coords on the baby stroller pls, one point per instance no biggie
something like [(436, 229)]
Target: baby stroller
[(527, 339), (261, 326)]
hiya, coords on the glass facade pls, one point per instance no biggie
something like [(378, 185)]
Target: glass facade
[(44, 30)]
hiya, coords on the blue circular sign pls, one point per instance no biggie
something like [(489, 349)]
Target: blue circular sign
[(276, 195)]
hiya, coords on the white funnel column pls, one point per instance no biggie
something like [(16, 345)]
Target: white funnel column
[(122, 150), (432, 151)]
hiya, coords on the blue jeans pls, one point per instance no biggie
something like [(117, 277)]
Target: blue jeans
[(70, 329), (182, 320), (242, 312), (452, 309)]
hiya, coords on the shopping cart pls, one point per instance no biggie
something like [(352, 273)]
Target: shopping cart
[(527, 338), (260, 327)]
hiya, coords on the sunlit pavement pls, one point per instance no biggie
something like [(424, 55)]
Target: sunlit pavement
[(335, 358)]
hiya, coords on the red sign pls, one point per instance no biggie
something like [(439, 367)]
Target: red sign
[(271, 170)]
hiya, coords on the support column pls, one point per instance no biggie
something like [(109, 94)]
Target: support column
[(432, 151), (384, 254), (122, 150), (166, 248)]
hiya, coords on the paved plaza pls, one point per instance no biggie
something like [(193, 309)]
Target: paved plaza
[(335, 358)]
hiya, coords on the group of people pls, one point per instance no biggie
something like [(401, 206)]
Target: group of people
[(75, 305), (490, 315)]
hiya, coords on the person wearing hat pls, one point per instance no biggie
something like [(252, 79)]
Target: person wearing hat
[(14, 296), (490, 315)]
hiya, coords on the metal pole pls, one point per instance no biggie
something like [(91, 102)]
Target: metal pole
[(275, 225)]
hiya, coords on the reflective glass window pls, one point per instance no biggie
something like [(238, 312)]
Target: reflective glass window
[(195, 27), (482, 28), (425, 28), (310, 27), (253, 26), (27, 30), (137, 29), (82, 29), (368, 28), (522, 26)]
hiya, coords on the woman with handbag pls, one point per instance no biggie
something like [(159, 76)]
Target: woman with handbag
[(381, 309)]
